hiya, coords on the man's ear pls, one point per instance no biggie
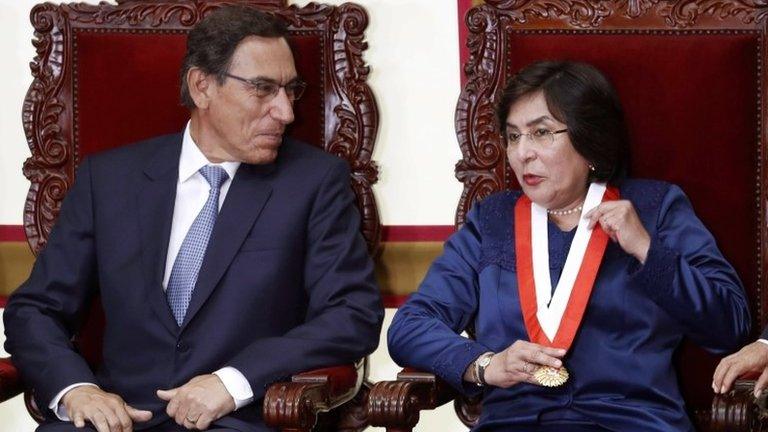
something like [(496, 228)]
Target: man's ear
[(201, 87)]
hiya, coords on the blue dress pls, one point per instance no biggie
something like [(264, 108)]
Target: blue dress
[(621, 372)]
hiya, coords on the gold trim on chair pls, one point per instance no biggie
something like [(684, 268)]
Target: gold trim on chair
[(399, 268), (16, 261)]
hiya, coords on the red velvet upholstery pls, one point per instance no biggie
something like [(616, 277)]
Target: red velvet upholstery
[(696, 129), (127, 91), (10, 381)]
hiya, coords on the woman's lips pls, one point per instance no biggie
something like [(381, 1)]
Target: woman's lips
[(532, 180)]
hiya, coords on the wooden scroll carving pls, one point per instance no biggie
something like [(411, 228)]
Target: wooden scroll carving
[(395, 405), (295, 405)]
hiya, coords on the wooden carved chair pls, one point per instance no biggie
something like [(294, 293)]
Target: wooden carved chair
[(692, 80), (97, 66)]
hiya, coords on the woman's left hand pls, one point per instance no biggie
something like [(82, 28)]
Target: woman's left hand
[(620, 221)]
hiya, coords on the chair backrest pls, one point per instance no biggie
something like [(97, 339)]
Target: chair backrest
[(108, 75), (691, 78)]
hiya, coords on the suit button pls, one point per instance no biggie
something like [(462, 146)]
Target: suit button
[(182, 347)]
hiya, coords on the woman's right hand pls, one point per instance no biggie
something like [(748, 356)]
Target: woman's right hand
[(519, 361)]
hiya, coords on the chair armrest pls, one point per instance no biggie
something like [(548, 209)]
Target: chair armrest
[(295, 405), (396, 404), (11, 386), (738, 410), (10, 381)]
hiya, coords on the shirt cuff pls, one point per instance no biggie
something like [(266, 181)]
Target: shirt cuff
[(237, 385), (57, 407), (763, 341)]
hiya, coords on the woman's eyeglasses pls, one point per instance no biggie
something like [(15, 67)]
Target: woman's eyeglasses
[(539, 136)]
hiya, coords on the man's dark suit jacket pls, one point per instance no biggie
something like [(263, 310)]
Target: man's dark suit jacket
[(286, 284)]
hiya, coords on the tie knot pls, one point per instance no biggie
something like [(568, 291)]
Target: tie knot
[(215, 175)]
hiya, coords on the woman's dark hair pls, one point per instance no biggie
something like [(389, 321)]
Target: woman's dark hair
[(212, 42), (578, 95)]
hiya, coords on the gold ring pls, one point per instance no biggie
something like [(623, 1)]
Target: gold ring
[(192, 420)]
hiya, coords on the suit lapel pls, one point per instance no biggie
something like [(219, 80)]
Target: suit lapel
[(155, 201), (245, 199)]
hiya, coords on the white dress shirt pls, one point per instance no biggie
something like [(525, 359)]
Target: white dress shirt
[(191, 194)]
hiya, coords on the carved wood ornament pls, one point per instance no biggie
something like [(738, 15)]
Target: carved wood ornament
[(49, 116)]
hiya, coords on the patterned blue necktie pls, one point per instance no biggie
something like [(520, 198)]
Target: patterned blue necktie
[(190, 258)]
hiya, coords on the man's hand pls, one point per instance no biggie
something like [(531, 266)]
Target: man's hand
[(106, 411), (751, 358), (198, 403)]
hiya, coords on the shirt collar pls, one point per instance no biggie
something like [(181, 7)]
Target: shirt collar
[(192, 159)]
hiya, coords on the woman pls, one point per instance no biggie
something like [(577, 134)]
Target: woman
[(579, 288)]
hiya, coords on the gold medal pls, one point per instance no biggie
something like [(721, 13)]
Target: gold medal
[(550, 377)]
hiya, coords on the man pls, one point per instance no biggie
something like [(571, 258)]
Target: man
[(752, 359), (226, 258)]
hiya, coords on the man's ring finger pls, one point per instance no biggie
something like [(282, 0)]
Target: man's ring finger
[(192, 420)]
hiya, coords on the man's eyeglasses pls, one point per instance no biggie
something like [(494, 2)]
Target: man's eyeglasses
[(540, 137), (265, 88)]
